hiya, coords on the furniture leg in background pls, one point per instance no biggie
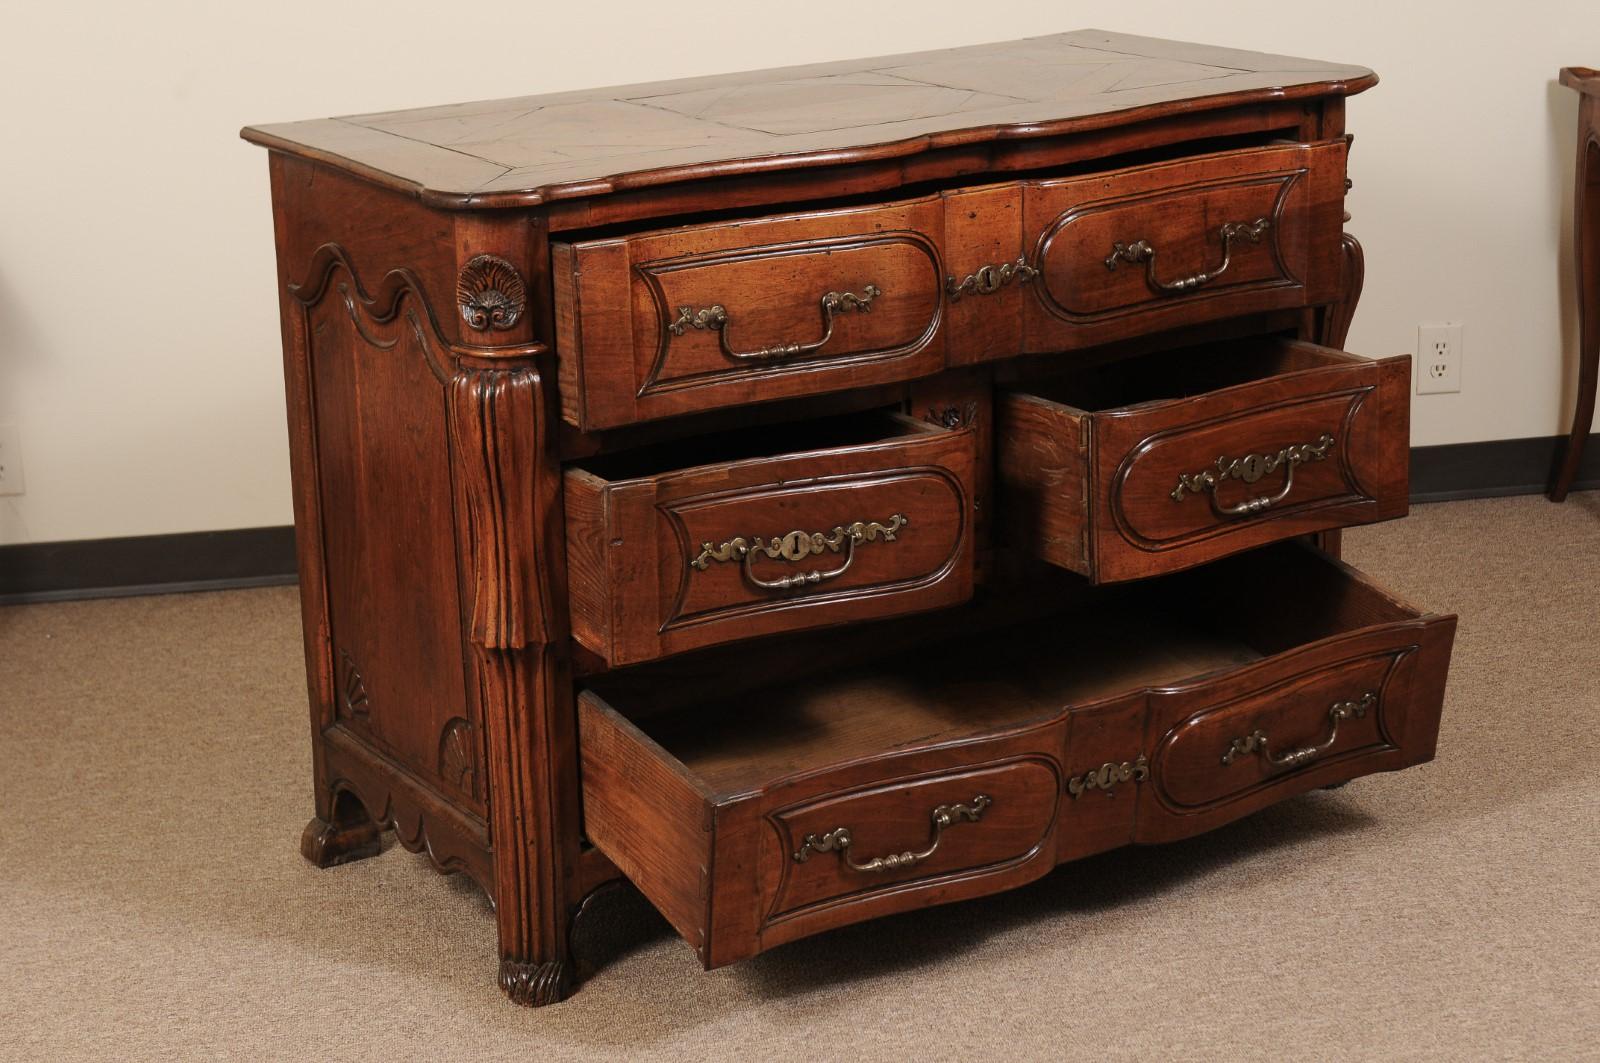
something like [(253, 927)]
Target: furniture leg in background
[(1586, 245)]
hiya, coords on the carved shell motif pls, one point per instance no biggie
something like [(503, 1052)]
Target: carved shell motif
[(353, 694), (490, 293), (456, 765)]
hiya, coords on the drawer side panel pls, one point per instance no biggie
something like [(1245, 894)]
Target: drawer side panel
[(647, 816)]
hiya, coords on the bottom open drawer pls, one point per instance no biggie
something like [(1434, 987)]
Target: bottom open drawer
[(942, 771)]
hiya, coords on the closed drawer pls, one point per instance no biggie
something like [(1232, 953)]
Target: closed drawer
[(777, 529), (1043, 266), (1175, 459), (971, 756), (670, 322)]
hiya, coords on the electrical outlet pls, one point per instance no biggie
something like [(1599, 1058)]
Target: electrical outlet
[(1438, 362), (10, 460)]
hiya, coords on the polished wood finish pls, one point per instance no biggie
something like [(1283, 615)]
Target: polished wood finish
[(1586, 268), (666, 491), (1090, 465), (533, 150), (643, 585), (770, 277), (1022, 716), (1073, 226)]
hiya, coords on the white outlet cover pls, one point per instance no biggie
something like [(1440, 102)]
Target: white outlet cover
[(1437, 365)]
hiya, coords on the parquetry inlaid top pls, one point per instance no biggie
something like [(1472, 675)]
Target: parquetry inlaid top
[(533, 149)]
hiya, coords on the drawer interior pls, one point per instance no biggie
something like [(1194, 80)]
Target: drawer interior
[(1185, 372), (753, 442), (1098, 642)]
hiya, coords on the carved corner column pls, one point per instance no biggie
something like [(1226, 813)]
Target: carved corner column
[(512, 547), (511, 538)]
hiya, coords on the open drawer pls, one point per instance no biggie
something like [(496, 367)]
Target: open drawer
[(1163, 462), (773, 529), (792, 803)]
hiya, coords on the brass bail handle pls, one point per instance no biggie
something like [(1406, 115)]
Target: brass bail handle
[(1144, 251), (839, 840), (716, 318), (799, 579), (1257, 741), (797, 546), (1248, 470)]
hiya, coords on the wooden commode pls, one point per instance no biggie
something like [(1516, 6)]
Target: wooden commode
[(820, 493)]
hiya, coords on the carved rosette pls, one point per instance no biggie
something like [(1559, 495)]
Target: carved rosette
[(490, 293)]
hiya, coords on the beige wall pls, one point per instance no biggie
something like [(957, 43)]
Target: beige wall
[(138, 332)]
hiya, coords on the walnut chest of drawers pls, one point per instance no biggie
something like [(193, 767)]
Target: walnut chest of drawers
[(827, 492)]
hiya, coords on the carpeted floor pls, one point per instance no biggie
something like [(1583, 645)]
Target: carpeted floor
[(153, 904)]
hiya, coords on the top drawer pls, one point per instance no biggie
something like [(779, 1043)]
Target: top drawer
[(669, 322), (1078, 261)]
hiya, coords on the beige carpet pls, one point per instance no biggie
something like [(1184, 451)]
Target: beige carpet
[(153, 904)]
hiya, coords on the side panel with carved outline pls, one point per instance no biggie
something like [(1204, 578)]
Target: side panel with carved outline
[(354, 264), (379, 406)]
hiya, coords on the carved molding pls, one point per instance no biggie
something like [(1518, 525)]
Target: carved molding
[(495, 416), (457, 765), (1352, 273), (390, 807), (490, 294), (382, 308)]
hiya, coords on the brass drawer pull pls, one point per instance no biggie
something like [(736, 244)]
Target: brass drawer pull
[(838, 839), (989, 279), (1249, 469), (1256, 741), (715, 318), (1108, 775), (1143, 251), (797, 546)]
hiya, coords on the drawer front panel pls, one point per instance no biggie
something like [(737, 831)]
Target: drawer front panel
[(1228, 752), (788, 814), (1269, 463), (1178, 484), (908, 833), (749, 311), (726, 552), (1223, 749), (1158, 247), (1139, 490), (788, 547)]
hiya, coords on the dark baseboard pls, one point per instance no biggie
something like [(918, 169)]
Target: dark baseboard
[(1497, 467), (146, 564), (258, 557)]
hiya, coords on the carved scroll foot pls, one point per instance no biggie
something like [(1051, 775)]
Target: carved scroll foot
[(533, 985), (330, 844)]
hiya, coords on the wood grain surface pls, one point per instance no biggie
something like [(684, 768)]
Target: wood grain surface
[(536, 149)]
